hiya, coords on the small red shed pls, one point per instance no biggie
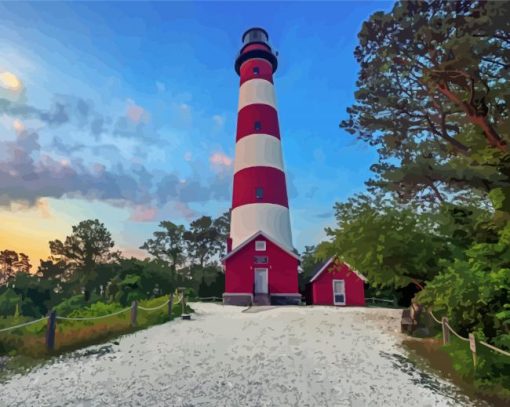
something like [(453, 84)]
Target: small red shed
[(336, 283)]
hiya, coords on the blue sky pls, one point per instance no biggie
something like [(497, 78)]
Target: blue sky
[(127, 112)]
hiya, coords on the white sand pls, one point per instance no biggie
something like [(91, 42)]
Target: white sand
[(270, 356)]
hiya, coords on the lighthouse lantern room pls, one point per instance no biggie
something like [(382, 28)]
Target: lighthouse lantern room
[(261, 264)]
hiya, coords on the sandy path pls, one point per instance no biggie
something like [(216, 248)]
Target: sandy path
[(282, 356)]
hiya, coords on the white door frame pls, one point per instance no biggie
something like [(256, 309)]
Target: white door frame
[(345, 295), (266, 271)]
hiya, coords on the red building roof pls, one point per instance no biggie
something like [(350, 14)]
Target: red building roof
[(328, 262), (254, 236)]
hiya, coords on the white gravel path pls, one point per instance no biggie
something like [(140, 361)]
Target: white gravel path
[(273, 356)]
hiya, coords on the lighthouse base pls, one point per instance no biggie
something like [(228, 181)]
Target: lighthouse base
[(244, 299), (286, 299)]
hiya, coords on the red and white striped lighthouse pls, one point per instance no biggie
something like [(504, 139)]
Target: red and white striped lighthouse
[(260, 208)]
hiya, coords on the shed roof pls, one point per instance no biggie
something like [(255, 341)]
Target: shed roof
[(320, 269)]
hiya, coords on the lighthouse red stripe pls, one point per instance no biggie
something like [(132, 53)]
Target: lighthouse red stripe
[(271, 180), (264, 67), (264, 114), (251, 47)]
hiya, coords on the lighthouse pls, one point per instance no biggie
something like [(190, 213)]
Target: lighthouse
[(261, 264)]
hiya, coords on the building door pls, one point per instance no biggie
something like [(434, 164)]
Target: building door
[(261, 280), (339, 292)]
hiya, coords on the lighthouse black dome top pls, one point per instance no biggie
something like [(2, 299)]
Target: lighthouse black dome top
[(255, 45)]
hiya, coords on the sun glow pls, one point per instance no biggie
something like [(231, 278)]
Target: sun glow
[(10, 81)]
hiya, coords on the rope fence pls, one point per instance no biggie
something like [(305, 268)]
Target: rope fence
[(380, 299), (472, 340), (207, 298), (53, 317), (22, 325), (93, 318)]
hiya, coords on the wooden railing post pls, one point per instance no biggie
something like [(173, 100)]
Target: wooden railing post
[(472, 346), (170, 305), (50, 330), (134, 311), (183, 303), (446, 331)]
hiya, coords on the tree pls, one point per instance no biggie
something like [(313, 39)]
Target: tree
[(309, 263), (475, 292), (391, 244), (90, 244), (433, 98), (8, 260), (202, 240), (168, 245), (222, 227), (11, 263)]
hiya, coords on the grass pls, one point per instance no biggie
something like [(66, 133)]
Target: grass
[(71, 335), (490, 379)]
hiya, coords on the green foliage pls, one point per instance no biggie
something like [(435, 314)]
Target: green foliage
[(309, 263), (168, 244), (9, 300), (90, 244), (475, 293), (68, 306), (433, 99), (389, 243)]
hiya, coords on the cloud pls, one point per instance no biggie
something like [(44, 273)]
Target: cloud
[(136, 113), (185, 211), (44, 208), (220, 159), (142, 213), (218, 120), (18, 126), (27, 174), (324, 215), (70, 149)]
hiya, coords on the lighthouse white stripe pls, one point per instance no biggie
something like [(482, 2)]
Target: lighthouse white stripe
[(258, 150), (256, 91), (274, 220)]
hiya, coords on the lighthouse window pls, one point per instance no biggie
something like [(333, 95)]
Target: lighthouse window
[(257, 126), (261, 259), (259, 193), (256, 70), (260, 245)]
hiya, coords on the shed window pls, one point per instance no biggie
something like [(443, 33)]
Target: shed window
[(259, 193), (261, 259), (256, 70), (257, 126), (260, 245)]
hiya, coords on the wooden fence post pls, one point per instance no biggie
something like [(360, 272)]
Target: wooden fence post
[(134, 310), (472, 346), (183, 303), (170, 305), (446, 331), (50, 331)]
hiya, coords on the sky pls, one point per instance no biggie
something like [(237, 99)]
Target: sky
[(126, 112)]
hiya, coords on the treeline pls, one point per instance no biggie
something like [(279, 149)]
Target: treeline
[(433, 98), (86, 267)]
